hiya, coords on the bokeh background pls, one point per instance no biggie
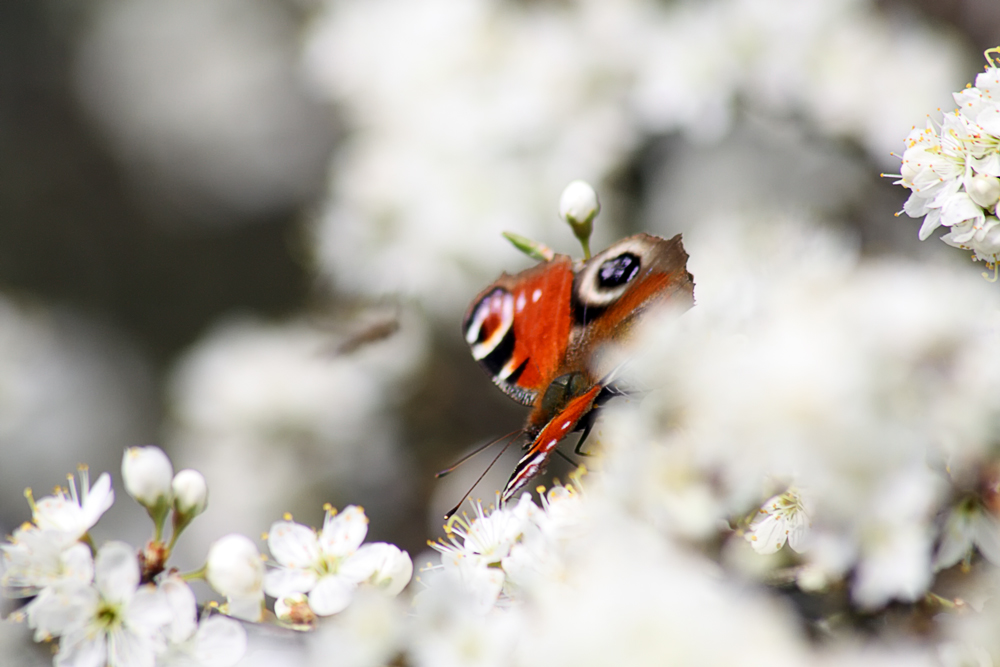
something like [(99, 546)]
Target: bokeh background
[(246, 230)]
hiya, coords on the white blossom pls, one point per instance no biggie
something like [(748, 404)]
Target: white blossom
[(331, 565), (952, 172), (36, 558), (115, 621), (215, 641), (969, 524), (74, 513), (783, 517)]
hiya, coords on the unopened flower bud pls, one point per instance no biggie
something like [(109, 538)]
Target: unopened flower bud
[(147, 474), (295, 610), (578, 203), (578, 206), (235, 570), (984, 190), (190, 493)]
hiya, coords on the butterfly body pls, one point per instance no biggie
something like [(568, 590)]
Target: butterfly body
[(539, 333)]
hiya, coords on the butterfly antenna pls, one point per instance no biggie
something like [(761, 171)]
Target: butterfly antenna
[(492, 463), (450, 469)]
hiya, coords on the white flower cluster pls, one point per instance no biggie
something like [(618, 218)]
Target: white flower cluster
[(124, 607), (500, 550), (119, 607), (253, 400), (953, 172), (871, 388), (467, 117)]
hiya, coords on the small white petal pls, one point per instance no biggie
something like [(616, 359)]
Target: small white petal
[(99, 499), (86, 652), (986, 533), (148, 609), (930, 223), (956, 540), (343, 534), (283, 582), (248, 608), (768, 535), (331, 594), (292, 544), (62, 608), (183, 608), (219, 642), (116, 571)]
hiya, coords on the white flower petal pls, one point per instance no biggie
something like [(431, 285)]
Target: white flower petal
[(986, 534), (282, 582), (343, 533), (767, 535), (62, 608), (99, 499), (149, 609), (930, 223), (116, 571), (331, 594), (126, 649), (77, 563), (248, 608), (219, 642), (958, 208), (293, 545), (183, 608), (85, 652)]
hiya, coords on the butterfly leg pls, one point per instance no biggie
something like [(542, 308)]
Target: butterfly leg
[(566, 458), (583, 438)]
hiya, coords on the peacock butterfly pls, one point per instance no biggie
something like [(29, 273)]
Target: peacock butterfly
[(538, 334)]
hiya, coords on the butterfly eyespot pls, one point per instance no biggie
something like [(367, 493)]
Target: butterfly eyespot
[(607, 276), (618, 271), (489, 324)]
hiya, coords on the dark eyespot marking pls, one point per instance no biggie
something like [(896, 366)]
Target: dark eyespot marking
[(617, 271), (500, 354)]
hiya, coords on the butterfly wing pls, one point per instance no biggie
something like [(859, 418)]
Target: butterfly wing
[(518, 328), (614, 289), (535, 459)]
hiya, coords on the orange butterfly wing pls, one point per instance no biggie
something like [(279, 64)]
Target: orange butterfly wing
[(518, 327)]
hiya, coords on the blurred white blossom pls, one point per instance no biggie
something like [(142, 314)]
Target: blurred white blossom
[(70, 391), (469, 118), (253, 402), (215, 641), (843, 377)]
